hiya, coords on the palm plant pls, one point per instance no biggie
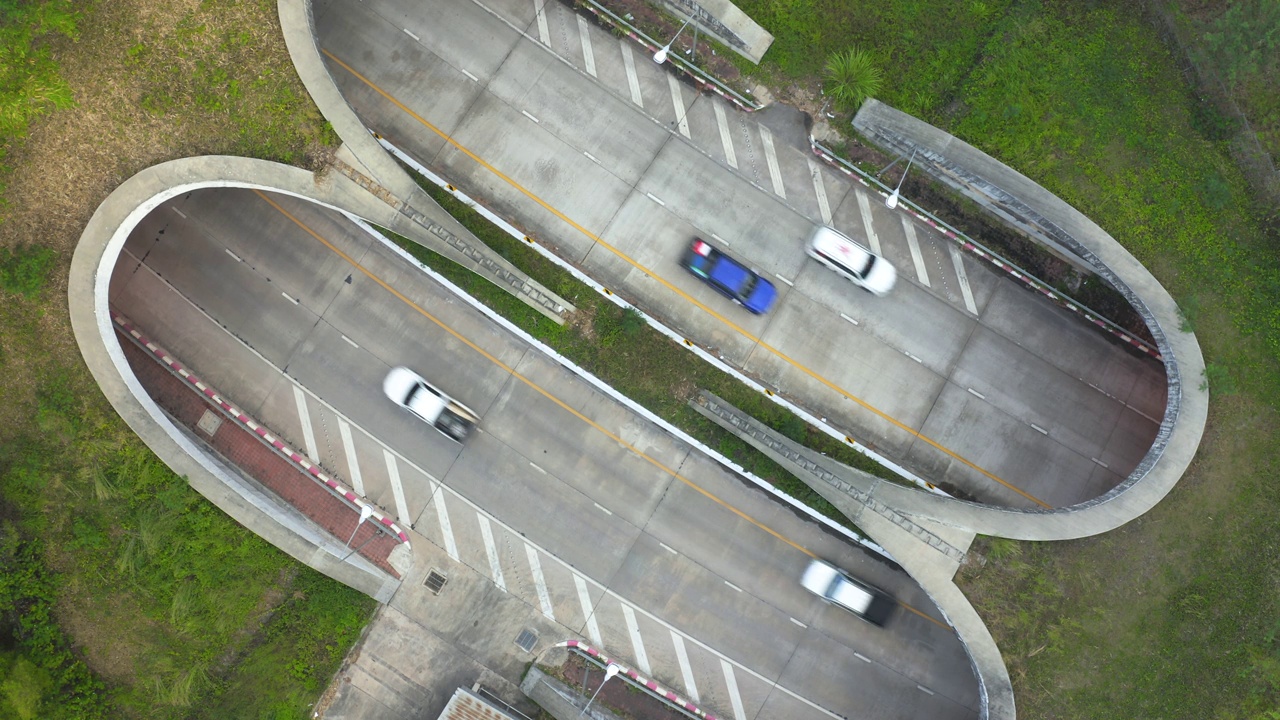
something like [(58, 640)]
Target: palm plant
[(851, 77)]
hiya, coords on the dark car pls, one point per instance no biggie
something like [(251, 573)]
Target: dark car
[(730, 277)]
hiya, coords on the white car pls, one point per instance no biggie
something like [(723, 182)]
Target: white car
[(410, 391), (852, 261), (833, 585)]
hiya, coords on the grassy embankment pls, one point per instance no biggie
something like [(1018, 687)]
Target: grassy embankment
[(1175, 615), (109, 561)]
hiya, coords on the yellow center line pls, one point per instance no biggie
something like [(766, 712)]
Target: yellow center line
[(546, 393), (538, 388), (655, 276)]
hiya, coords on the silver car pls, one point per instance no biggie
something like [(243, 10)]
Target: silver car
[(836, 587), (410, 391)]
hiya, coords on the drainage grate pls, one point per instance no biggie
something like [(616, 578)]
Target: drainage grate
[(435, 581), (209, 423), (527, 639)]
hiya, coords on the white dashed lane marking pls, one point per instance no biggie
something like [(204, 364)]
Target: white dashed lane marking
[(539, 582), (682, 121), (397, 491), (910, 229), (353, 465), (446, 527), (771, 158), (633, 80), (731, 683), (864, 205), (584, 597), (821, 191), (686, 670), (642, 660), (726, 139), (491, 550), (965, 290), (588, 57), (308, 433), (544, 33)]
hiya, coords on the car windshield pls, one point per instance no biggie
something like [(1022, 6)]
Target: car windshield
[(866, 269), (748, 285)]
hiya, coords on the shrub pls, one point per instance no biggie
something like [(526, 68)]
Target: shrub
[(25, 270), (852, 77)]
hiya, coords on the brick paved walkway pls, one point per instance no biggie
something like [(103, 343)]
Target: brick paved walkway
[(255, 458)]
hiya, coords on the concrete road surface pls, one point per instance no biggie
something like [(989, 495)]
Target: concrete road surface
[(566, 511)]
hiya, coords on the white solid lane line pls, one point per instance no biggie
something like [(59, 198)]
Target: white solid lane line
[(821, 191), (353, 465), (686, 670), (535, 569), (589, 612), (633, 627), (910, 229), (678, 101), (771, 157), (588, 57), (965, 290), (308, 434), (864, 205), (633, 80), (490, 549), (397, 489)]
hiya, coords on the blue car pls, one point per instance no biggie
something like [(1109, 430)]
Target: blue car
[(730, 277)]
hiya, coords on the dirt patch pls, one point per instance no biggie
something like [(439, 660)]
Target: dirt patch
[(619, 696), (109, 633), (583, 322)]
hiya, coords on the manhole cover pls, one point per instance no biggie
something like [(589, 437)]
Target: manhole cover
[(527, 639), (435, 581), (209, 422)]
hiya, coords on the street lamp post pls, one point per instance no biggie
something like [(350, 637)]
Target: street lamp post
[(366, 512), (891, 202), (609, 672), (661, 56)]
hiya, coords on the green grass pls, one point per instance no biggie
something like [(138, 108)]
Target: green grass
[(1174, 615), (125, 593), (646, 366), (141, 554), (924, 47)]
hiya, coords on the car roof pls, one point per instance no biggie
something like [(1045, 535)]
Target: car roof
[(851, 595), (727, 271), (427, 401), (842, 249)]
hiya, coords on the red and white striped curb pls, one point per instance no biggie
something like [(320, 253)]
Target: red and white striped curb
[(1031, 282), (239, 415), (651, 685)]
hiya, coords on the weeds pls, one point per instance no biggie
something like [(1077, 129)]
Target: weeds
[(25, 270)]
